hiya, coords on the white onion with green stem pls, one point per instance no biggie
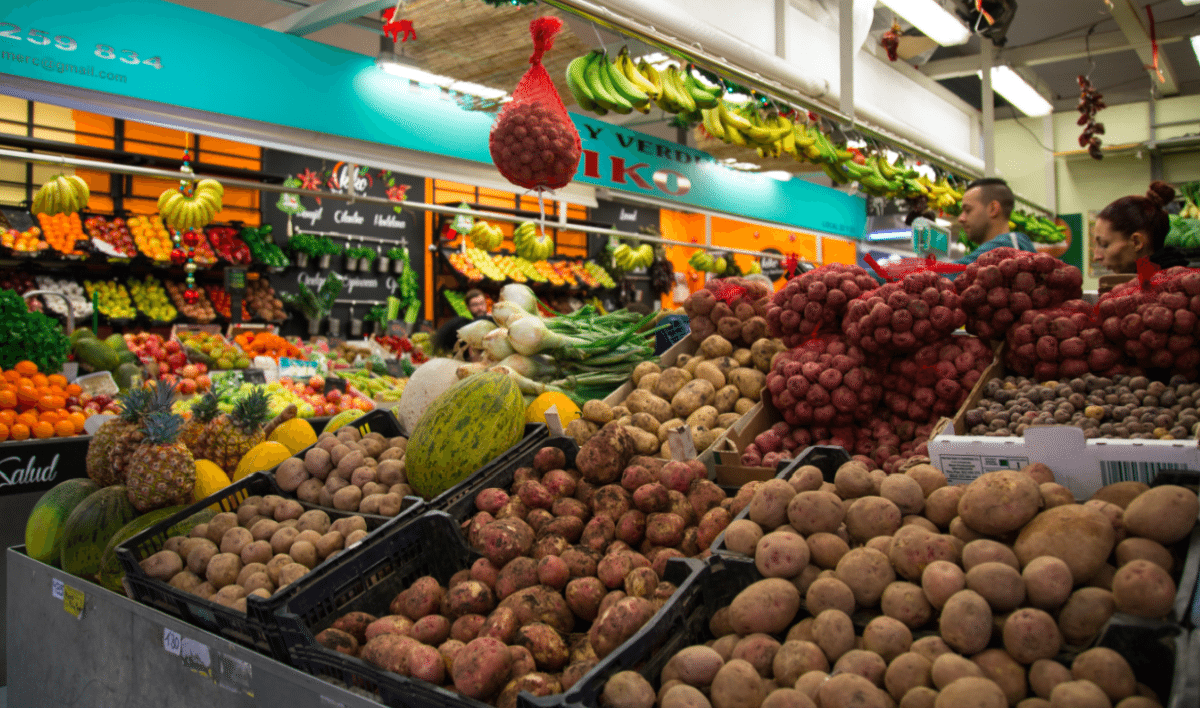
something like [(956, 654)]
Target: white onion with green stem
[(534, 367), (496, 344), (521, 295), (505, 313), (529, 335), (525, 384), (473, 333), (470, 369)]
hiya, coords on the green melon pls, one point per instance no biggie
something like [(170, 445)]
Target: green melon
[(90, 526), (47, 521), (463, 429), (111, 573)]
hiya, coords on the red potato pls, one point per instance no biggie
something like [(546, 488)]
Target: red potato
[(481, 668), (619, 623), (781, 555)]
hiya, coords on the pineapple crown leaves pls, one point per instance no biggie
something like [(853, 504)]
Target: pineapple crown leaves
[(160, 396), (206, 408), (252, 411), (162, 427), (133, 404)]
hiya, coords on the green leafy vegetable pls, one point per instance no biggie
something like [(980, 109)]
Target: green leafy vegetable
[(29, 335)]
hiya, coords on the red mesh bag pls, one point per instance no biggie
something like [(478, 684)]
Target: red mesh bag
[(1155, 319), (896, 270), (734, 308), (533, 143), (814, 303), (1061, 343), (934, 381), (901, 317), (826, 382), (1005, 282)]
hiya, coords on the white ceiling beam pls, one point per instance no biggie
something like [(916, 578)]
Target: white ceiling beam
[(1065, 50), (327, 14), (1129, 19)]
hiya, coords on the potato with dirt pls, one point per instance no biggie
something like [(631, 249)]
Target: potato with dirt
[(1078, 535), (966, 622), (867, 572), (997, 503), (481, 668), (767, 606), (1165, 514), (603, 458), (619, 623)]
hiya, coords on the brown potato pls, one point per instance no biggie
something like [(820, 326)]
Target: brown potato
[(973, 691), (163, 565), (906, 672), (1045, 674), (868, 572), (907, 603), (1048, 582), (1078, 535), (1079, 694), (304, 553), (1165, 514), (1000, 502), (966, 622), (1108, 670), (833, 631), (223, 570), (986, 550), (949, 667), (998, 583), (1031, 634), (1143, 589), (1085, 612)]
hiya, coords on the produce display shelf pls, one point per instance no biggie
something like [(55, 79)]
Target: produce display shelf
[(122, 653)]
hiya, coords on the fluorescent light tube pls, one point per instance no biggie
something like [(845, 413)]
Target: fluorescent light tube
[(405, 70), (931, 18), (1196, 43), (1191, 2), (1017, 91)]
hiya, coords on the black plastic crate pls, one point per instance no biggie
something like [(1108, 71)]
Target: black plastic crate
[(255, 628), (826, 458), (681, 623), (368, 581), (459, 501), (1159, 654)]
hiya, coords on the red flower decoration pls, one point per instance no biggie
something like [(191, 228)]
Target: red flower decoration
[(309, 179), (790, 263), (397, 193)]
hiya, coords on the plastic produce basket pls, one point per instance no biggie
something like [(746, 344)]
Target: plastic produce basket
[(1161, 655), (368, 581), (826, 458), (256, 628)]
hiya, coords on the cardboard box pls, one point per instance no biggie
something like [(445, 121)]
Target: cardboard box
[(1079, 464), (724, 458)]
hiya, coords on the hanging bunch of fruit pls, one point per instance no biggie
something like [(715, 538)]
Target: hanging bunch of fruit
[(772, 135), (485, 236), (599, 85), (63, 194), (192, 205), (704, 261), (1038, 228), (630, 258), (1091, 102), (532, 243)]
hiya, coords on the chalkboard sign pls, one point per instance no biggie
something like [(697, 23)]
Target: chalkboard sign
[(622, 217), (405, 229)]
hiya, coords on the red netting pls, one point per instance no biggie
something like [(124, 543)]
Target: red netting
[(934, 381), (901, 317), (1062, 343), (533, 142), (1005, 282), (726, 291), (734, 308), (896, 270), (816, 301), (1155, 320)]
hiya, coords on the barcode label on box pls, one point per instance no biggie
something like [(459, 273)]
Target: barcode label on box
[(1112, 472), (964, 468)]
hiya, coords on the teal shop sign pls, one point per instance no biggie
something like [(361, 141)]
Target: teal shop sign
[(158, 51)]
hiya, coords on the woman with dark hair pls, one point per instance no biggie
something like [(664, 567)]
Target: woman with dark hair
[(1136, 227)]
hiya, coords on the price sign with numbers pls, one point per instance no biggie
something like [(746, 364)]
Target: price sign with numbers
[(63, 43), (172, 642)]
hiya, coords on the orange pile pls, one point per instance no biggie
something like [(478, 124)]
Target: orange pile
[(28, 241), (151, 237), (61, 231), (266, 344), (35, 405)]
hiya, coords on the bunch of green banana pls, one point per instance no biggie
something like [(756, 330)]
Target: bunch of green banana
[(600, 86), (879, 178), (628, 258), (703, 261), (682, 92), (485, 236), (531, 243), (742, 125), (182, 211), (1039, 229), (64, 194)]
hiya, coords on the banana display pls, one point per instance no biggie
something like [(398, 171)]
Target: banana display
[(193, 206), (65, 194), (599, 85), (532, 244), (628, 258), (703, 260), (1039, 229), (485, 236)]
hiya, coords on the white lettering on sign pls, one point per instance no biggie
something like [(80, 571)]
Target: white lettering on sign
[(389, 221), (349, 178), (313, 215), (26, 471), (343, 216), (628, 215)]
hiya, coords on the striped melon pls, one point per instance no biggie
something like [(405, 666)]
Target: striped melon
[(463, 429), (48, 520), (91, 525), (111, 573)]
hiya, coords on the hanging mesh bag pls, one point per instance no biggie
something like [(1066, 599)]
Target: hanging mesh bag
[(533, 143)]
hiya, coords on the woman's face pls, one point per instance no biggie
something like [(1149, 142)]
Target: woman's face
[(1116, 251)]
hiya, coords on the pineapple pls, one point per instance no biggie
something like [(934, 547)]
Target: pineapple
[(231, 435), (161, 470), (202, 414), (99, 466), (159, 397)]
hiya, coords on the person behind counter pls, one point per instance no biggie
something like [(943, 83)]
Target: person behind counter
[(986, 207), (1136, 227), (446, 336)]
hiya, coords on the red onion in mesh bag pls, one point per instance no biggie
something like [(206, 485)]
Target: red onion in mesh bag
[(1005, 282), (734, 308), (533, 142), (901, 317), (813, 304), (1156, 323), (1061, 343)]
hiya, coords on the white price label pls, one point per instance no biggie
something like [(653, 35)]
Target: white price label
[(172, 641), (553, 422), (682, 446), (56, 588)]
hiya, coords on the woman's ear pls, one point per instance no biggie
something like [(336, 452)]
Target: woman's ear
[(1140, 241)]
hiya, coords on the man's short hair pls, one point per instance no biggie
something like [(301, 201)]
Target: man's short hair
[(472, 294), (994, 189)]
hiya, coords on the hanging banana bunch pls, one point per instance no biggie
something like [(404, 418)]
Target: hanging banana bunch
[(63, 194), (599, 85)]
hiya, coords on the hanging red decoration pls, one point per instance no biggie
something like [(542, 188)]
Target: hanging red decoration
[(398, 30), (190, 296), (891, 41), (397, 193), (1154, 46), (1091, 102), (178, 256)]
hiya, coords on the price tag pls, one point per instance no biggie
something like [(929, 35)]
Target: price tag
[(56, 588), (254, 376), (683, 448), (553, 422), (172, 641), (73, 601)]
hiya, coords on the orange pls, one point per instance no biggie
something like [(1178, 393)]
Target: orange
[(25, 382), (8, 416), (56, 390), (64, 429), (27, 395), (43, 430), (26, 368), (29, 418), (50, 417), (39, 380), (74, 389), (19, 431), (51, 402), (58, 380), (77, 420), (8, 399), (3, 432)]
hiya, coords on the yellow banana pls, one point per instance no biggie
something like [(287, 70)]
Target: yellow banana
[(630, 71), (712, 123), (211, 184)]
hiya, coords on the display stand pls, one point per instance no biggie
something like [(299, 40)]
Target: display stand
[(120, 653)]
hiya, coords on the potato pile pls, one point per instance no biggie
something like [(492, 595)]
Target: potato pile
[(708, 392), (1156, 326), (995, 578), (734, 308), (1004, 282), (1125, 407), (1061, 344), (935, 380), (267, 544), (572, 566), (901, 317), (262, 302), (350, 472), (815, 302)]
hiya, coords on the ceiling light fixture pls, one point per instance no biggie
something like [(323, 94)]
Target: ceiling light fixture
[(932, 19), (1019, 92), (403, 67), (1196, 44)]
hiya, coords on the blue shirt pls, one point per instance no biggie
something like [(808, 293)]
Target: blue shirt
[(1002, 241)]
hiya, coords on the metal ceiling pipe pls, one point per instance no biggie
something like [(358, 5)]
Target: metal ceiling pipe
[(664, 24)]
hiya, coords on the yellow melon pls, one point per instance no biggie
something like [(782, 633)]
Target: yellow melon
[(295, 434), (567, 410), (262, 456), (210, 479), (343, 418)]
